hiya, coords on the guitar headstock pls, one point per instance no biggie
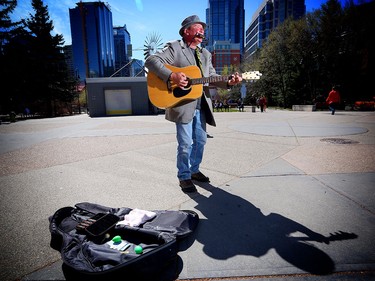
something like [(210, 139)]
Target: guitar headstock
[(251, 75), (341, 235)]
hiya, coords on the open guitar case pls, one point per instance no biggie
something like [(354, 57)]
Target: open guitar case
[(86, 234)]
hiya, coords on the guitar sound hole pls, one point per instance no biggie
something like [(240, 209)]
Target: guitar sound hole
[(179, 93)]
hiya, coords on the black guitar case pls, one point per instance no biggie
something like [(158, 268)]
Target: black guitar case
[(95, 246)]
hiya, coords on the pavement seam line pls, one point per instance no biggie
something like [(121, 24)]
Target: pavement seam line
[(345, 196), (297, 275)]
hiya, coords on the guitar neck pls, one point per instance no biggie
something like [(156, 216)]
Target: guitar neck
[(212, 79)]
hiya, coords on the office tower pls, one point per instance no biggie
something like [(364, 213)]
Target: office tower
[(225, 23), (122, 51), (137, 68), (269, 15), (92, 39), (68, 54)]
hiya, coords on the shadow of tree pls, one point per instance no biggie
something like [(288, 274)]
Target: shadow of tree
[(234, 226)]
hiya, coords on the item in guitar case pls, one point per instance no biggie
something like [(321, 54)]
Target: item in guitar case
[(102, 224), (118, 244), (117, 239), (136, 217), (138, 249), (99, 227)]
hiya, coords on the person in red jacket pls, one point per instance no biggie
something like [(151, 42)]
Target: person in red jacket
[(333, 99), (263, 103)]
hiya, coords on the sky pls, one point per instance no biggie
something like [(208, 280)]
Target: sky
[(143, 18)]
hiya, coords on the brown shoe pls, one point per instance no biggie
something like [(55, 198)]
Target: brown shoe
[(200, 177), (187, 186)]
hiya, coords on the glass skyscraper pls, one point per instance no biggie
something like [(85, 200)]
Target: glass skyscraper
[(269, 15), (122, 51), (92, 39), (225, 22)]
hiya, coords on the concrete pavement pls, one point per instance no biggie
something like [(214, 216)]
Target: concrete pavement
[(291, 194)]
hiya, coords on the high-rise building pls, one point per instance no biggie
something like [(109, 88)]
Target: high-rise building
[(137, 68), (268, 16), (225, 53), (92, 39), (225, 22), (122, 44), (68, 54)]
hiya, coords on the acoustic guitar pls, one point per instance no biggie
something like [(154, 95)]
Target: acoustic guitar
[(164, 95)]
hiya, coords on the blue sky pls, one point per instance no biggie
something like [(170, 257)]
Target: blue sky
[(142, 17)]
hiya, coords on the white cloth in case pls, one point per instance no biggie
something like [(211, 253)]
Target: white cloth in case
[(137, 217)]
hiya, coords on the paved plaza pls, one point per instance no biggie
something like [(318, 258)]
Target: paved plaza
[(291, 197)]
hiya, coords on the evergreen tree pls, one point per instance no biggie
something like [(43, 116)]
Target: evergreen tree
[(6, 24), (49, 72), (357, 51), (8, 30)]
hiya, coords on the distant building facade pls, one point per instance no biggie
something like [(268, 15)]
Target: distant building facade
[(225, 21), (68, 54), (138, 68), (92, 39), (122, 42), (268, 16), (225, 54)]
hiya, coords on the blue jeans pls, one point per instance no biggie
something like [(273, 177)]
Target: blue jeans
[(332, 108), (191, 138)]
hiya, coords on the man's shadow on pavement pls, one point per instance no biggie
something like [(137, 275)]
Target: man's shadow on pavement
[(234, 226)]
